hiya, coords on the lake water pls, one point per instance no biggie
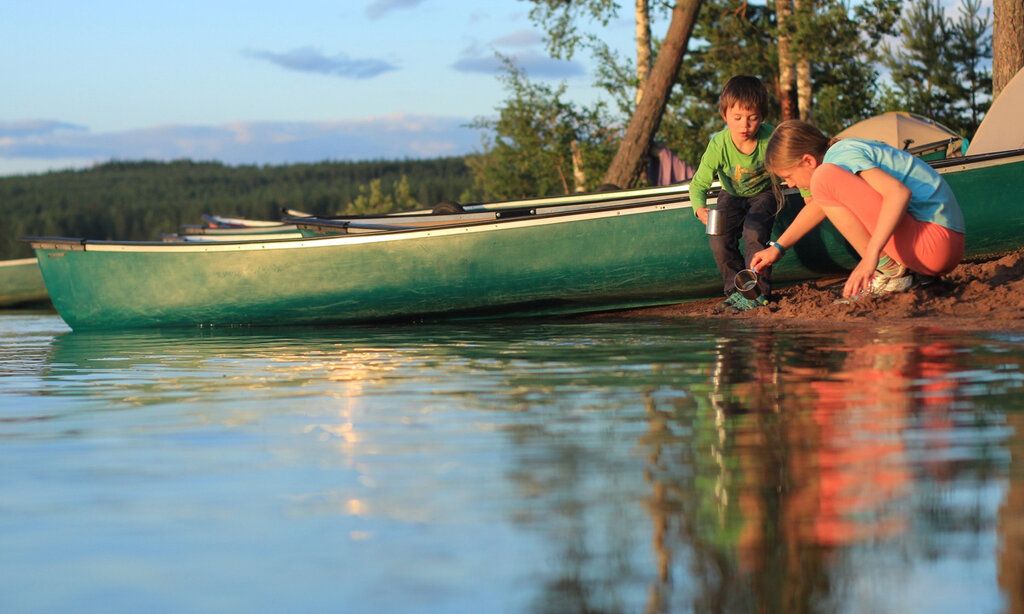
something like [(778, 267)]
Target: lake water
[(558, 466)]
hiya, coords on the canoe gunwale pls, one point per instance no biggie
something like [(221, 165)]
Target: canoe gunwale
[(393, 233), (967, 161)]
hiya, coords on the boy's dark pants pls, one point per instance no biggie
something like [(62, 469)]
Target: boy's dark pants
[(750, 219)]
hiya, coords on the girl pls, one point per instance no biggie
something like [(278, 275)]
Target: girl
[(894, 209)]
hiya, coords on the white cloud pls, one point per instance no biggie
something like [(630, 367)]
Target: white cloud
[(532, 63), (313, 60), (519, 38), (379, 8)]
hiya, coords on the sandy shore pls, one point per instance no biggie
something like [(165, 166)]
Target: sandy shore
[(980, 295)]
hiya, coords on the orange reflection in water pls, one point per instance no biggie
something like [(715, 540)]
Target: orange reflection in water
[(799, 453)]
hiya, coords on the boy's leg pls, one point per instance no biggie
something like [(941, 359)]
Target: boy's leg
[(757, 230), (725, 247)]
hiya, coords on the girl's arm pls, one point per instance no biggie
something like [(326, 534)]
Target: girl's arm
[(804, 222), (895, 198)]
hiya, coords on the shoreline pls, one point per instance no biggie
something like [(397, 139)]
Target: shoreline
[(979, 294)]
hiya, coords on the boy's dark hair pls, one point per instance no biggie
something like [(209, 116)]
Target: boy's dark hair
[(744, 90)]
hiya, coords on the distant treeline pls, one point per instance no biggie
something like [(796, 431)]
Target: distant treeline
[(142, 200)]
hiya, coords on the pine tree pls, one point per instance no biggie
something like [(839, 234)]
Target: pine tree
[(922, 70), (971, 46)]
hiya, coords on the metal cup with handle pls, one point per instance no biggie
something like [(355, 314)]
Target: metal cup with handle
[(746, 283)]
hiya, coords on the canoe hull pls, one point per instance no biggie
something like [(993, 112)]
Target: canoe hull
[(21, 283), (616, 259)]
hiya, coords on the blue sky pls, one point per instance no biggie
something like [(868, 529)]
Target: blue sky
[(260, 82)]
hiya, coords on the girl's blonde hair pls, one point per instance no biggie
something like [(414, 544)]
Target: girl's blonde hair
[(791, 140)]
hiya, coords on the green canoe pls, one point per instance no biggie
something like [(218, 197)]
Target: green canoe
[(545, 256), (21, 283)]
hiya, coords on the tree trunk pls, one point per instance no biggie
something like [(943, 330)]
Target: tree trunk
[(803, 88), (1007, 42), (579, 176), (629, 160), (803, 67), (786, 91), (643, 47)]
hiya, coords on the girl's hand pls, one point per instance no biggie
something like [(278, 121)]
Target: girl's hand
[(765, 258), (702, 215), (860, 279)]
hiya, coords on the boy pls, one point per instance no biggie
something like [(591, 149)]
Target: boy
[(736, 155)]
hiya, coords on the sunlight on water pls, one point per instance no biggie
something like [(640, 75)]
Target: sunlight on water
[(557, 466)]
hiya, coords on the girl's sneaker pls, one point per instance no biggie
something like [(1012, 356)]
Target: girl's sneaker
[(898, 279)]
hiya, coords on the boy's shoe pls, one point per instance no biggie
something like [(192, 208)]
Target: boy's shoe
[(726, 305), (742, 303)]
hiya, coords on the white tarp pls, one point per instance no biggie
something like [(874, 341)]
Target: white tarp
[(900, 129), (1002, 129)]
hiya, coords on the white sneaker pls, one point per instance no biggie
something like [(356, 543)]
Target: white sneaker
[(885, 284)]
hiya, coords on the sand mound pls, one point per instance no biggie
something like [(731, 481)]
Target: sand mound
[(987, 294)]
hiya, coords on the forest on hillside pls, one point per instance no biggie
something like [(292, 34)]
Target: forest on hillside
[(142, 200)]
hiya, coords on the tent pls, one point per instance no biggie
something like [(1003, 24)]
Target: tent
[(903, 130), (1002, 128)]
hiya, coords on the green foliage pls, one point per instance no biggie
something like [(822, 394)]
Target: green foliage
[(529, 150), (141, 200), (560, 18), (373, 198), (924, 77), (971, 46), (843, 47), (938, 68)]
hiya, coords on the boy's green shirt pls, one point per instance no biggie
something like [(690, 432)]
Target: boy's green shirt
[(740, 174)]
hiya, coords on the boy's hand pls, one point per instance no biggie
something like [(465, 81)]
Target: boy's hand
[(702, 215), (765, 258)]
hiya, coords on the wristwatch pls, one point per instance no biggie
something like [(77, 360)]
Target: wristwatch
[(778, 246)]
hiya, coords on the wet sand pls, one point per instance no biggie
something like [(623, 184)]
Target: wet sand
[(979, 295)]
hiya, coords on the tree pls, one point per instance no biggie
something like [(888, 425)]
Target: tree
[(804, 10), (971, 46), (540, 144), (785, 89), (922, 71), (559, 19), (938, 71), (629, 160), (1007, 42), (844, 44), (643, 46)]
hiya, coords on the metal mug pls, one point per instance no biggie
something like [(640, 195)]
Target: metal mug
[(716, 221), (746, 283)]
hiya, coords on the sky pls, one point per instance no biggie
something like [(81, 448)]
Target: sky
[(261, 82)]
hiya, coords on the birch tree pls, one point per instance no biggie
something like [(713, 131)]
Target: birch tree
[(804, 92), (643, 46), (786, 89)]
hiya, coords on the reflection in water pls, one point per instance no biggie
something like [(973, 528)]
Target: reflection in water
[(801, 456), (562, 467)]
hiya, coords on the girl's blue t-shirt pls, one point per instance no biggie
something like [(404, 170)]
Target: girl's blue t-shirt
[(931, 198)]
